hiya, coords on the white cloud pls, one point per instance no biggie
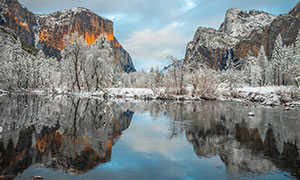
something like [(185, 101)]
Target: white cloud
[(152, 137), (189, 5), (157, 43), (115, 17)]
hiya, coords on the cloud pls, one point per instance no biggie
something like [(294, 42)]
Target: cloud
[(150, 47), (152, 137), (156, 43), (189, 5)]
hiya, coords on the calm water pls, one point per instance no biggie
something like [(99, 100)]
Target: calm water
[(72, 138)]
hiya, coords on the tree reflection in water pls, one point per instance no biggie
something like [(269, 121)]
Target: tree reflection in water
[(75, 135), (69, 134)]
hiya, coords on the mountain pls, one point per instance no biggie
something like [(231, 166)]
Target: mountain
[(287, 25), (47, 32), (242, 33)]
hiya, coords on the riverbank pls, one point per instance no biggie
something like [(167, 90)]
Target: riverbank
[(268, 95)]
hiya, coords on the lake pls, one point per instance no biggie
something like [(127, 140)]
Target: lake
[(65, 137)]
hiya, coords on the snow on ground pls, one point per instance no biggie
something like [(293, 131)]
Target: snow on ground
[(266, 90), (130, 92), (267, 95)]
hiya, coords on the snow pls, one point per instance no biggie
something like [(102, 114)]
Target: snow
[(130, 92), (239, 23), (266, 90), (267, 95), (63, 17), (212, 38)]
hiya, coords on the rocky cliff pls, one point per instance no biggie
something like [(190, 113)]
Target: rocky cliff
[(47, 32), (20, 19), (287, 25), (242, 33)]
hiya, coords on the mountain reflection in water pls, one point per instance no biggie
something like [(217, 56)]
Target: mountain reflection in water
[(69, 134), (76, 135)]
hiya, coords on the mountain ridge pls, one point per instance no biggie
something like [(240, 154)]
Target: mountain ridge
[(47, 31), (252, 30)]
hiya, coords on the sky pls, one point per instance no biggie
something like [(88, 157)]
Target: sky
[(150, 30)]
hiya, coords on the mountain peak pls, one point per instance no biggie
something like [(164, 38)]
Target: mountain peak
[(239, 23), (296, 9), (72, 12)]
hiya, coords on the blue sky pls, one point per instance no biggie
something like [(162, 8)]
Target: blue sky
[(150, 30)]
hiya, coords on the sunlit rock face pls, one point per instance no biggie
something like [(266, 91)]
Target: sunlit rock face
[(48, 32), (55, 26), (19, 19), (241, 36), (67, 134)]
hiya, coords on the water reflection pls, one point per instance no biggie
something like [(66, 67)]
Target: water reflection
[(172, 140), (67, 134), (260, 144)]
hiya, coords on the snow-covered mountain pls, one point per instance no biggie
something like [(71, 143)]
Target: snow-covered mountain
[(241, 36), (47, 32), (239, 23)]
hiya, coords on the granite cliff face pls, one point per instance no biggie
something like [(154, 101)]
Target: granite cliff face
[(47, 32), (240, 35), (239, 23), (287, 25), (20, 19)]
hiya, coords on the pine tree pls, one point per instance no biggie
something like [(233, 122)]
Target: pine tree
[(263, 63), (277, 60)]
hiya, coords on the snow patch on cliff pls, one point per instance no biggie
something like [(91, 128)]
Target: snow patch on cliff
[(213, 38), (239, 23)]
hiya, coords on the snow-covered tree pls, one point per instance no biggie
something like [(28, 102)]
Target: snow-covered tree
[(74, 53), (231, 76), (100, 65), (290, 69), (177, 72), (158, 78), (278, 60), (263, 63)]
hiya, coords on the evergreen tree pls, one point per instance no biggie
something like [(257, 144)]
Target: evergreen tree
[(277, 60), (263, 63)]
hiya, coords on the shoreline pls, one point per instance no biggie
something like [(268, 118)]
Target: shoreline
[(267, 96)]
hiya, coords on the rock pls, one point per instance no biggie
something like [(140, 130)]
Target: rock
[(292, 106), (1, 129), (55, 26), (251, 114), (208, 97), (241, 35), (47, 32), (38, 177), (209, 46), (259, 98), (214, 47)]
